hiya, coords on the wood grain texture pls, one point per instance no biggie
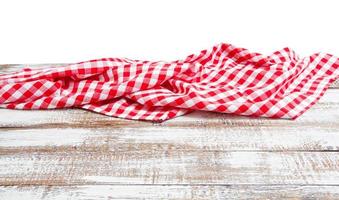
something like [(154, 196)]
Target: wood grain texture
[(335, 84), (273, 139), (64, 166), (101, 192)]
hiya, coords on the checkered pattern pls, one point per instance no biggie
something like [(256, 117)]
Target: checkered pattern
[(222, 79)]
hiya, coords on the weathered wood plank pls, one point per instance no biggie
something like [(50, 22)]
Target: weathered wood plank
[(170, 192), (65, 166), (335, 84), (8, 68), (175, 138), (324, 114)]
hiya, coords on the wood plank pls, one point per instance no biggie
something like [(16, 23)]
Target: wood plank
[(175, 138), (170, 192), (324, 114), (335, 84), (64, 166), (8, 68)]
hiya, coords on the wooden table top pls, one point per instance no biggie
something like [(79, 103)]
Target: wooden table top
[(77, 154)]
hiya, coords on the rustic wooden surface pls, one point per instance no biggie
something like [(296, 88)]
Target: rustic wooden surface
[(76, 154)]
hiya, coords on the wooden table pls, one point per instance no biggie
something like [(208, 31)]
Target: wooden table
[(76, 154)]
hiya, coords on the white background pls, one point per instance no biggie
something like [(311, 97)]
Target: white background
[(71, 31)]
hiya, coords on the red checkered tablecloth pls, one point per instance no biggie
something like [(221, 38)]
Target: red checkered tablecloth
[(224, 79)]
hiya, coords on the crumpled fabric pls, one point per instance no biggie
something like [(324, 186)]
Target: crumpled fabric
[(224, 79)]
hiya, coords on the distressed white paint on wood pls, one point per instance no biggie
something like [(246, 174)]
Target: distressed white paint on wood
[(335, 84), (9, 68), (169, 192), (174, 138), (68, 166)]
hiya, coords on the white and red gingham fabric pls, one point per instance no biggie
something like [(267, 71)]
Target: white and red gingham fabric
[(223, 79)]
